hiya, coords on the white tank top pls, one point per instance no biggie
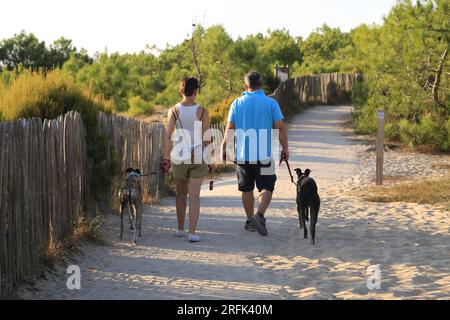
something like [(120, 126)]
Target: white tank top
[(188, 117)]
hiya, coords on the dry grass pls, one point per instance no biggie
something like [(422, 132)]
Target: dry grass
[(83, 229), (441, 166), (430, 191), (59, 251), (89, 229), (395, 178)]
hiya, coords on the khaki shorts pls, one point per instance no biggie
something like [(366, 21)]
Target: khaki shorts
[(187, 171)]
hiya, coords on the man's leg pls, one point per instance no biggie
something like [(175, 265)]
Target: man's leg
[(266, 185), (248, 200), (264, 199), (246, 182)]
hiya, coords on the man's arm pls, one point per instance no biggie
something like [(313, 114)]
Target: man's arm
[(281, 126), (228, 134)]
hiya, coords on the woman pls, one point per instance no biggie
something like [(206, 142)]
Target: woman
[(187, 171)]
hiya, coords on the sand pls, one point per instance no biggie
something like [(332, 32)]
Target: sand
[(409, 242)]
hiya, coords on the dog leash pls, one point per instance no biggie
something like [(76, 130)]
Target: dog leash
[(211, 181), (289, 169)]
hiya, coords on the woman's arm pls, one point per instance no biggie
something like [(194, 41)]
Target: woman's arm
[(170, 128), (206, 133)]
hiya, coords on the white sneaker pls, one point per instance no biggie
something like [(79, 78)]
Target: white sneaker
[(180, 234), (193, 238)]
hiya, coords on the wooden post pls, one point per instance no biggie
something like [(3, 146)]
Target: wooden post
[(380, 148)]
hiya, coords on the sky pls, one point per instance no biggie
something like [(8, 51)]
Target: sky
[(130, 25)]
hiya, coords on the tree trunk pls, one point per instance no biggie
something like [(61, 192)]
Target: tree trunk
[(437, 80)]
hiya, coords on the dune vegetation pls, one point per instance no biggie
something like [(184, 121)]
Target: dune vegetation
[(404, 63)]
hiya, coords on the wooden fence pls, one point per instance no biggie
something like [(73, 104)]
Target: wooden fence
[(326, 88), (138, 145), (45, 178), (43, 186)]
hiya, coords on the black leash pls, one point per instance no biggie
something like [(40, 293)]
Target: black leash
[(211, 181), (289, 169)]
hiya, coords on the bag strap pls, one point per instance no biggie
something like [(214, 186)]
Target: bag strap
[(176, 115)]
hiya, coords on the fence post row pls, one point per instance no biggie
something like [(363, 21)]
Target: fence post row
[(44, 182)]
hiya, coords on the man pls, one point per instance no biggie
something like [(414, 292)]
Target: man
[(252, 117)]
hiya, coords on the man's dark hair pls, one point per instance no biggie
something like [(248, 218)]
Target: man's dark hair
[(253, 80), (188, 85)]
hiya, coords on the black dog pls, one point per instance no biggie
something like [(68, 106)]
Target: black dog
[(308, 201)]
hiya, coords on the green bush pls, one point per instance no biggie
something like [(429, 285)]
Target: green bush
[(366, 120), (219, 112), (48, 95), (446, 142), (399, 60), (391, 130), (360, 93), (139, 107), (428, 131)]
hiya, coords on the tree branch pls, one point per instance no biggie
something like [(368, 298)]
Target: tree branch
[(195, 54), (437, 79)]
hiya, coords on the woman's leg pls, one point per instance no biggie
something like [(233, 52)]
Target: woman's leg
[(182, 192), (194, 203)]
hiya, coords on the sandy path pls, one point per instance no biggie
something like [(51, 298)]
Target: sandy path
[(410, 242)]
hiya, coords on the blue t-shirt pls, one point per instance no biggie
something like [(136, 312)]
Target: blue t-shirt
[(253, 116)]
